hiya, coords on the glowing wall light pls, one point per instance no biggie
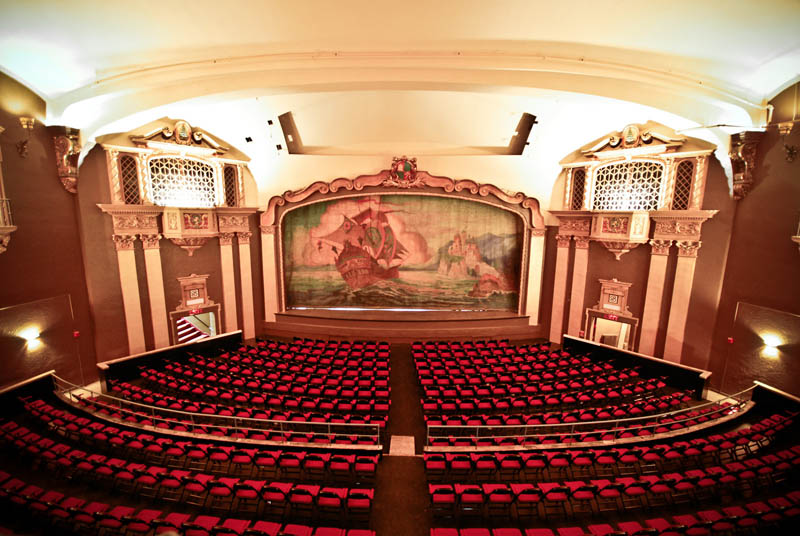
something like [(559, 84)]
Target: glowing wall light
[(31, 336), (771, 343)]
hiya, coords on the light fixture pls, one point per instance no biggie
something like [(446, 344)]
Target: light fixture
[(31, 336), (784, 129), (27, 125), (771, 343)]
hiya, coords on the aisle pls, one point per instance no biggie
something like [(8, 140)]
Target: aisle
[(401, 492)]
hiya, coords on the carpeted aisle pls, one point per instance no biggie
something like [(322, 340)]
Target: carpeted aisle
[(401, 494)]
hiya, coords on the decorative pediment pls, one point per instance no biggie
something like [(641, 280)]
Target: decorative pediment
[(633, 140), (404, 175), (179, 133)]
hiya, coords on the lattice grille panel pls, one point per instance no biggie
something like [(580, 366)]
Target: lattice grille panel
[(628, 186), (578, 188), (230, 186), (182, 182), (129, 176), (683, 185)]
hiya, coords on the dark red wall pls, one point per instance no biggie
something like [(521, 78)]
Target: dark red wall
[(43, 259), (763, 263)]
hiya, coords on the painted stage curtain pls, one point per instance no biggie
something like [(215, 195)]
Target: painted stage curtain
[(402, 251)]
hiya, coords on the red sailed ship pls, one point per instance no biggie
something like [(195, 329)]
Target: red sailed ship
[(366, 248)]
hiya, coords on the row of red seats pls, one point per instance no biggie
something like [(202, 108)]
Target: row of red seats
[(213, 386), (61, 418), (552, 389), (497, 408), (588, 407), (295, 362), (755, 517), (514, 466), (375, 410), (357, 469), (570, 498), (297, 383), (659, 425), (203, 490), (429, 363), (73, 514), (362, 371)]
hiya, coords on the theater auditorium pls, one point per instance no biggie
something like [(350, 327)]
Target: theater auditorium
[(356, 268)]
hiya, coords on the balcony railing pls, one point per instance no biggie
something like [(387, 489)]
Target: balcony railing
[(5, 213)]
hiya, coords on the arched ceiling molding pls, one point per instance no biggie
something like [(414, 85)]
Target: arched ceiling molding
[(312, 71)]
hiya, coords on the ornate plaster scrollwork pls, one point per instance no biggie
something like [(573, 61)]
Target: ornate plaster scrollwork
[(68, 147), (243, 237), (582, 242), (268, 229), (190, 244), (743, 161), (687, 248), (660, 247), (150, 241), (619, 248), (226, 239), (123, 242), (563, 240), (4, 240)]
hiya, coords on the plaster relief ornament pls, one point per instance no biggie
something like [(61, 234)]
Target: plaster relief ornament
[(403, 173)]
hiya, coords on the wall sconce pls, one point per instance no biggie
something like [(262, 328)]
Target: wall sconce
[(31, 336), (22, 146), (771, 343), (785, 129)]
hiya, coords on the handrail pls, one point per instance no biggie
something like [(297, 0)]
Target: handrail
[(650, 421), (64, 388)]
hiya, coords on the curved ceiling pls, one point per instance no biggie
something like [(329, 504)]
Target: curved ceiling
[(421, 77)]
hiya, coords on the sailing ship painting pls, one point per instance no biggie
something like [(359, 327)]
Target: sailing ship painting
[(402, 251)]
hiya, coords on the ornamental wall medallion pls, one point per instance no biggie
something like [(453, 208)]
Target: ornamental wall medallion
[(403, 173)]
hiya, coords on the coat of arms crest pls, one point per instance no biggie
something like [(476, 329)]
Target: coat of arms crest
[(403, 173)]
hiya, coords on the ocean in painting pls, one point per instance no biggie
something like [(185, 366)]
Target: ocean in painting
[(402, 251), (415, 289)]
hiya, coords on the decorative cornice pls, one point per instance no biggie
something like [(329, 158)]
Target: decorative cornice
[(123, 242), (743, 161), (687, 248), (133, 219), (234, 219), (226, 239), (679, 224), (150, 241), (573, 222), (563, 240), (421, 179), (243, 237), (660, 247)]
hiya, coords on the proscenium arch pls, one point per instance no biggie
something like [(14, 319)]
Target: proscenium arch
[(524, 207)]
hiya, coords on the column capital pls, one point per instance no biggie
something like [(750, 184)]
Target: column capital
[(268, 229), (660, 247), (243, 237), (563, 240), (226, 239), (123, 242), (581, 242), (688, 248), (538, 232), (150, 241)]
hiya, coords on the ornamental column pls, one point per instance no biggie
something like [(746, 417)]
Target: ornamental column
[(155, 288), (129, 284), (246, 277), (654, 294), (269, 268), (580, 266), (535, 270), (681, 293), (559, 288), (228, 281)]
